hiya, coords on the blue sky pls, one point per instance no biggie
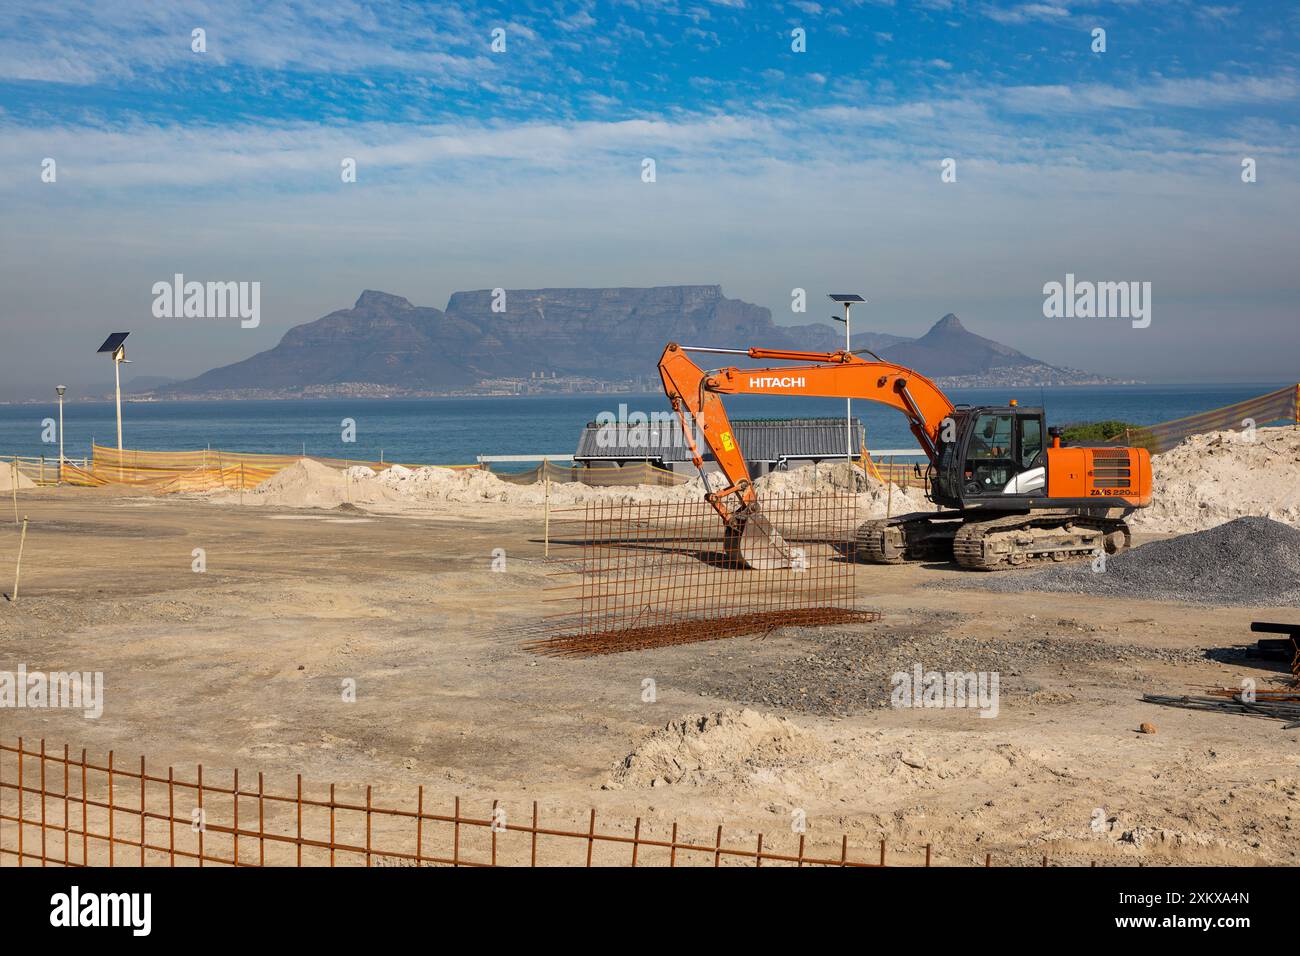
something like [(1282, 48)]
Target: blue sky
[(776, 169)]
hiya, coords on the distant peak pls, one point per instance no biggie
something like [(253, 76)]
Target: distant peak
[(949, 323), (370, 299)]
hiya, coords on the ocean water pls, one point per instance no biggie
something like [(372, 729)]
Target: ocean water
[(455, 430)]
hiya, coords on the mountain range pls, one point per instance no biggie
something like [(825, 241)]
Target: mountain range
[(486, 339)]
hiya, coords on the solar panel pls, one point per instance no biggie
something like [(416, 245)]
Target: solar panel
[(113, 342), (846, 297)]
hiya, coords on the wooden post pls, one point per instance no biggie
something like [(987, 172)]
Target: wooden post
[(14, 482), (546, 505), (889, 490), (19, 566)]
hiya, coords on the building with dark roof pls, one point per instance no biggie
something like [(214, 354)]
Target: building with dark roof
[(768, 444)]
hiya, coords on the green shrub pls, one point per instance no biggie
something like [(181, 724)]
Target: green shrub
[(1084, 432)]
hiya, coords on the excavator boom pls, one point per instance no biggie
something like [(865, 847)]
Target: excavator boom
[(694, 393)]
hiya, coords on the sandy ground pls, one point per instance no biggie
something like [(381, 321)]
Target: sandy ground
[(242, 666)]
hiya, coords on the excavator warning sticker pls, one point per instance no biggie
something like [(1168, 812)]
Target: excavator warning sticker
[(728, 444)]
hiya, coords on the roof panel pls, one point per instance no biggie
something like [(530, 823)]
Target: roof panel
[(760, 440)]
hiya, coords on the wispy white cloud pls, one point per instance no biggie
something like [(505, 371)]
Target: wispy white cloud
[(85, 42), (1025, 12), (980, 122), (1185, 92)]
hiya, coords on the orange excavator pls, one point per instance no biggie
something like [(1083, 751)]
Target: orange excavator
[(1008, 493)]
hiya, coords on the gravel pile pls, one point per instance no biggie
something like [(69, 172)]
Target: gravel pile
[(1249, 562)]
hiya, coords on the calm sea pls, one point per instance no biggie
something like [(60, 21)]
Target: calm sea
[(455, 430)]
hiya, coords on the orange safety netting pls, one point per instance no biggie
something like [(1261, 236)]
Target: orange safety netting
[(1282, 405), (181, 471)]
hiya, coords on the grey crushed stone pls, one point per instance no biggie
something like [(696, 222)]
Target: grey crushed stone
[(840, 672), (1248, 562)]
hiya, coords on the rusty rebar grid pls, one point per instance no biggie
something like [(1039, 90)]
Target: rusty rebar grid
[(664, 573), (61, 809), (689, 631)]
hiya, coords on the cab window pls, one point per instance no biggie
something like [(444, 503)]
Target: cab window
[(992, 437), (1031, 441)]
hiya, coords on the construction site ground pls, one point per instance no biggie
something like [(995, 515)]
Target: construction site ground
[(242, 665)]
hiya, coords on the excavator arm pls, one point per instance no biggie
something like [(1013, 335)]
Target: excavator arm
[(695, 396)]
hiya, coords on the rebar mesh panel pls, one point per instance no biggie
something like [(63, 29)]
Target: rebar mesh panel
[(651, 574)]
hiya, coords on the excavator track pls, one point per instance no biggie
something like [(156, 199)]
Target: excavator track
[(919, 536), (1021, 541)]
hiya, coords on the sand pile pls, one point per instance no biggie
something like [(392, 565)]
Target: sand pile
[(471, 484), (7, 478), (733, 745), (309, 484), (1212, 478), (1250, 562)]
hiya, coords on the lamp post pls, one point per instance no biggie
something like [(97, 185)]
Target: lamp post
[(847, 299), (115, 345), (60, 389)]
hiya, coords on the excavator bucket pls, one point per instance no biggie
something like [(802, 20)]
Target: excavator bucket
[(752, 542)]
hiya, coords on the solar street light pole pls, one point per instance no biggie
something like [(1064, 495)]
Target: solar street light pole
[(847, 300), (848, 402), (117, 380), (60, 389), (115, 345)]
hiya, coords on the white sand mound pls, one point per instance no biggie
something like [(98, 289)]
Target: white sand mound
[(7, 477), (309, 484), (473, 485), (1212, 478), (702, 748)]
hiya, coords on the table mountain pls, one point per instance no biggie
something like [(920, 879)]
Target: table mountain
[(601, 334)]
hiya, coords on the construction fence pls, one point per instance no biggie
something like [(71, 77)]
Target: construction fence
[(40, 469), (178, 471), (60, 808), (1281, 406)]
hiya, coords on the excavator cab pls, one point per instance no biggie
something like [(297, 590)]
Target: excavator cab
[(989, 453)]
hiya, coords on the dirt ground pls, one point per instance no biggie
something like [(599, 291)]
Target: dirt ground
[(242, 665)]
